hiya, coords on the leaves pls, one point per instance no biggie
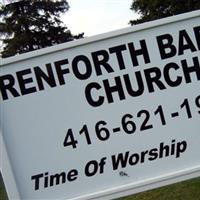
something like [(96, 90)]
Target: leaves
[(28, 25), (156, 9)]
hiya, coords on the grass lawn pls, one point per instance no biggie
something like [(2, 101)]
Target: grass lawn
[(2, 190), (187, 190)]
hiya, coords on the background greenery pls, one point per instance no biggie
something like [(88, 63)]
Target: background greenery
[(3, 195), (187, 190)]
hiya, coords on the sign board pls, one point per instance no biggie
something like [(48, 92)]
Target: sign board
[(105, 116)]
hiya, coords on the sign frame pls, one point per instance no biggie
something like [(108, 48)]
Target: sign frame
[(124, 190)]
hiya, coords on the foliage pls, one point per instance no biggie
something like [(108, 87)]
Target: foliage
[(156, 9), (28, 25)]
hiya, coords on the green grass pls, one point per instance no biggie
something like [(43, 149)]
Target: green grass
[(2, 190), (187, 190)]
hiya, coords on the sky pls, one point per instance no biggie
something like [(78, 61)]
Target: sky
[(98, 16), (94, 17)]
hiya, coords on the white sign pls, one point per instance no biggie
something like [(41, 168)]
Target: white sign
[(105, 116)]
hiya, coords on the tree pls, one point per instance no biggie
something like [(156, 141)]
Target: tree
[(156, 9), (27, 25)]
